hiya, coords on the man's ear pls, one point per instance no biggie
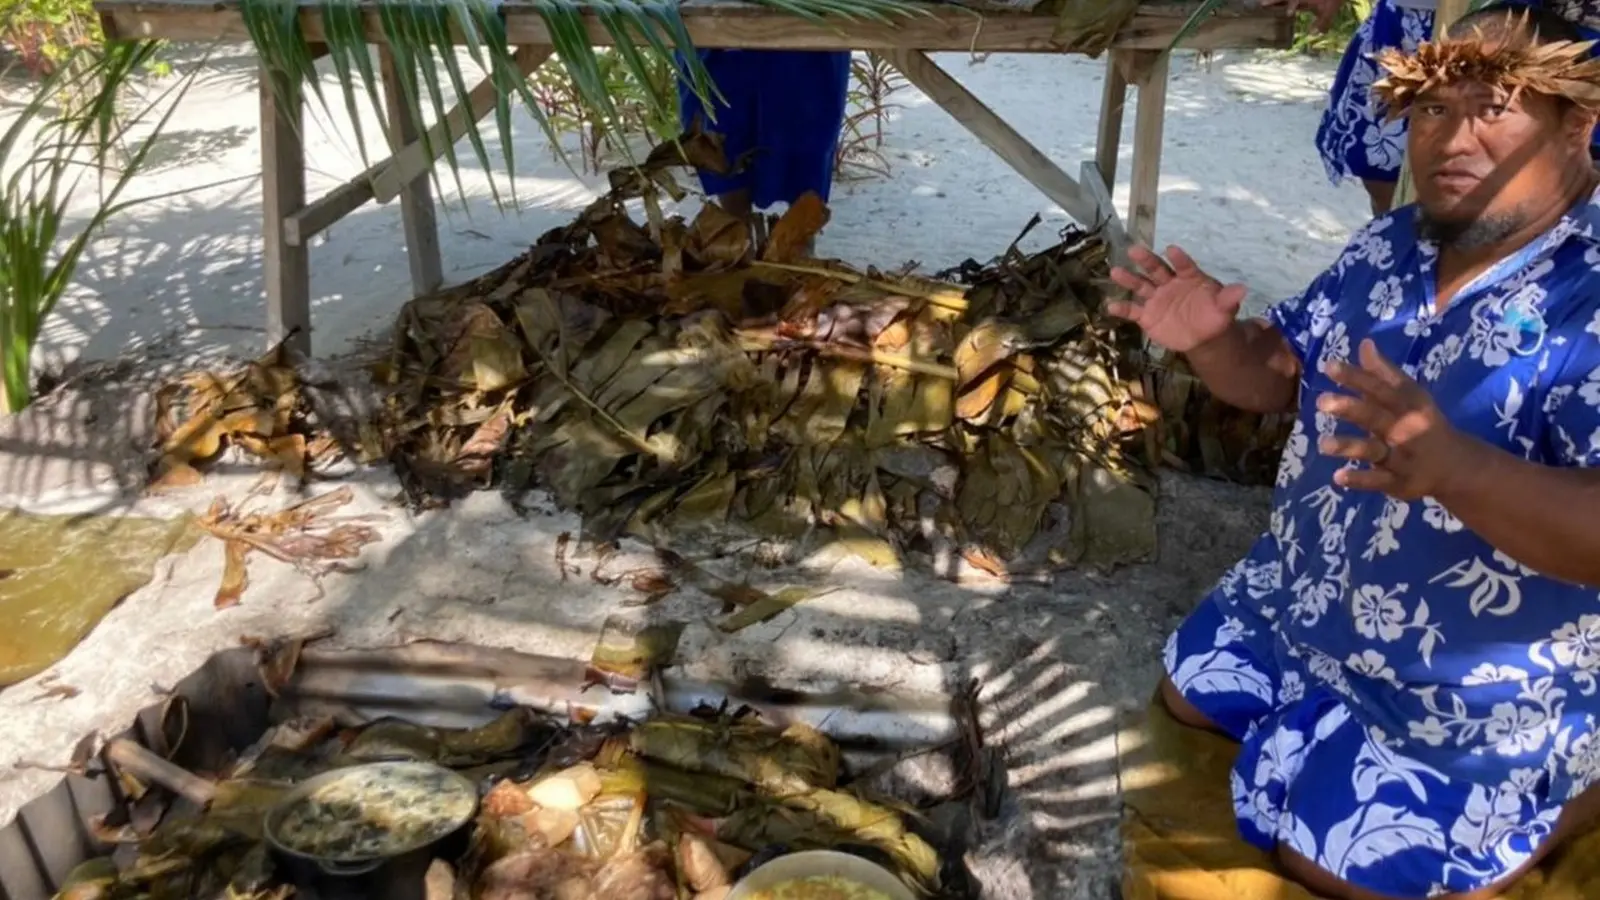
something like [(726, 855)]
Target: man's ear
[(1579, 123)]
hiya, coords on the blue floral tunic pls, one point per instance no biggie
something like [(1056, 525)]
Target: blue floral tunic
[(1438, 698)]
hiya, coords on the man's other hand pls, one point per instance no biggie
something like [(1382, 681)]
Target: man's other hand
[(1322, 11), (1177, 305), (1412, 450)]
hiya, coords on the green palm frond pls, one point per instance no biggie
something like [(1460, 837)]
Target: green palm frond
[(46, 159), (426, 36)]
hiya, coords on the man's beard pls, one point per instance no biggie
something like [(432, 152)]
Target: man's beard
[(1468, 234)]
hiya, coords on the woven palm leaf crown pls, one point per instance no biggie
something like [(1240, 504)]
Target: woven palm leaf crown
[(1506, 55)]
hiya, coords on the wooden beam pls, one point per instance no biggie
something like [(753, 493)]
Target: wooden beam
[(717, 23), (416, 197), (1116, 234), (995, 133), (414, 160), (384, 180), (285, 268), (1149, 121), (1113, 100), (1444, 15)]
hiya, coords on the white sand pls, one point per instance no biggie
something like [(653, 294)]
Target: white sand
[(1241, 189), (1061, 666)]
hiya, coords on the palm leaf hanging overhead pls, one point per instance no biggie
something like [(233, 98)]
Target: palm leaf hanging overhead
[(421, 36)]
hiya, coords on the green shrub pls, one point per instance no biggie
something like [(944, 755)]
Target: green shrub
[(43, 33), (1333, 41), (51, 158)]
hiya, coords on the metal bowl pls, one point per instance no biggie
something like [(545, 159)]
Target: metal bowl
[(809, 863), (344, 867)]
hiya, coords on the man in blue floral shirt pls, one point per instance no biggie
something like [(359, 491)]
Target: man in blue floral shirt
[(1410, 655)]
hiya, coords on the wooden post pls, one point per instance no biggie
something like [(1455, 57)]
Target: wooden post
[(1445, 15), (285, 268), (416, 198), (1150, 69), (1113, 100)]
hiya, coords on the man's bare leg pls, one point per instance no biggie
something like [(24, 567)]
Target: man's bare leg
[(1381, 194), (1184, 711)]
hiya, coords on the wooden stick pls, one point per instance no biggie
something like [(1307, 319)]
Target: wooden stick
[(1113, 100), (731, 24), (952, 298), (996, 134), (416, 198), (1444, 15), (384, 180), (146, 766), (285, 267), (1149, 122), (762, 342), (415, 160)]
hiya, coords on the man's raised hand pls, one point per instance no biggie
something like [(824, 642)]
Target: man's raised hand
[(1411, 450), (1177, 305)]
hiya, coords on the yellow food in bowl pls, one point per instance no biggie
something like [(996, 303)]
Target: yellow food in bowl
[(820, 887)]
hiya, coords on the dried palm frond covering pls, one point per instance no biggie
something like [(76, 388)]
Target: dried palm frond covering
[(670, 375), (262, 410), (1508, 57)]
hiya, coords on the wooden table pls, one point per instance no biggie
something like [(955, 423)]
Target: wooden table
[(1135, 60)]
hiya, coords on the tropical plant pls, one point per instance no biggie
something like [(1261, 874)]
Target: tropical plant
[(860, 153), (1338, 34), (1334, 40), (46, 157), (426, 35), (639, 118), (43, 33)]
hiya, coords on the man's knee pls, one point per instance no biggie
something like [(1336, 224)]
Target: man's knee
[(1181, 709)]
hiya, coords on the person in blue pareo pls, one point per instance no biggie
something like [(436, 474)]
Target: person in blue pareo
[(782, 113), (1356, 139), (1409, 657)]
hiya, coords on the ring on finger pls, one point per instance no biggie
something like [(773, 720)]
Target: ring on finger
[(1383, 453)]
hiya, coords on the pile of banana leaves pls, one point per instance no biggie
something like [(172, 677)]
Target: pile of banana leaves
[(663, 376), (675, 807)]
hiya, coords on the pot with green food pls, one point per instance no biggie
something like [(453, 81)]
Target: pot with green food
[(371, 830)]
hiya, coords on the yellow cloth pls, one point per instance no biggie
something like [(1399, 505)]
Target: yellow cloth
[(1179, 840), (60, 575)]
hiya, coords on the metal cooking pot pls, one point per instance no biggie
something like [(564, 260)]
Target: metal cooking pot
[(398, 875), (809, 863)]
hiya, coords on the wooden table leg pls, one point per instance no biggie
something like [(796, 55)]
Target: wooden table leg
[(1150, 69), (1113, 99), (285, 269), (416, 199)]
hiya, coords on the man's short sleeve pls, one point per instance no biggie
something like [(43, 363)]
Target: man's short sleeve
[(1293, 319), (1572, 404), (1306, 318)]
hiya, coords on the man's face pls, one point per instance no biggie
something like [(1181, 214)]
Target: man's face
[(1482, 160)]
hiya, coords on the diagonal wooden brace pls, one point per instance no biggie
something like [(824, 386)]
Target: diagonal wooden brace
[(385, 180), (1088, 206)]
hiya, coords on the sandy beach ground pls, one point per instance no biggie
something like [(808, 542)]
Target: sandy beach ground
[(178, 281)]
